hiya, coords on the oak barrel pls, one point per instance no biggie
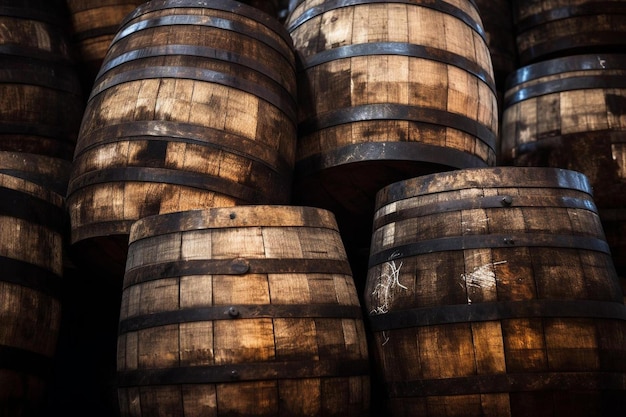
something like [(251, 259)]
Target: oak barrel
[(491, 291), (93, 25), (241, 311), (31, 239), (546, 29), (571, 113), (41, 102), (194, 107), (387, 91)]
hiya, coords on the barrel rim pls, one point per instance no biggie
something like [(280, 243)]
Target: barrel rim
[(580, 62), (229, 217), (502, 177)]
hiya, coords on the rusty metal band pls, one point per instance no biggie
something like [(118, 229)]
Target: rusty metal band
[(390, 111), (509, 382), (391, 151), (167, 131), (29, 70), (31, 276), (20, 205), (401, 49), (238, 266), (114, 228), (480, 312), (167, 176), (240, 312), (568, 84), (272, 75), (56, 183), (207, 22), (458, 243), (270, 370), (283, 102), (489, 202), (437, 5), (595, 8), (33, 13), (566, 64), (25, 361), (237, 8)]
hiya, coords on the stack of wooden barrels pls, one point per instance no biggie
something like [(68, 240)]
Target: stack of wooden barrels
[(312, 208)]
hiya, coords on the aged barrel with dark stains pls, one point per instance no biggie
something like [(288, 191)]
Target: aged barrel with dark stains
[(41, 102), (248, 310), (194, 107), (32, 223), (387, 91), (547, 29), (492, 292), (571, 113), (93, 25)]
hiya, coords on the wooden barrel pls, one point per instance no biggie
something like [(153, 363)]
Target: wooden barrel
[(387, 91), (571, 113), (491, 291), (31, 241), (497, 18), (241, 311), (94, 24), (41, 101), (194, 107), (546, 29)]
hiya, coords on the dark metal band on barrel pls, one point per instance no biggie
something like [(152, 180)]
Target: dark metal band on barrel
[(283, 102), (540, 178), (435, 5), (490, 202), (566, 64), (568, 84), (487, 242), (24, 206), (30, 276), (235, 267), (270, 370), (503, 310), (167, 131), (168, 176), (271, 74), (392, 151), (595, 8), (223, 5), (26, 361), (401, 49), (207, 21), (509, 382), (390, 111), (238, 312), (22, 65), (64, 140)]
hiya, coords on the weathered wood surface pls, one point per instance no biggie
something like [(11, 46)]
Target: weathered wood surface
[(41, 103), (387, 91), (492, 292), (571, 113), (249, 310), (194, 107), (31, 251), (93, 25), (547, 29)]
